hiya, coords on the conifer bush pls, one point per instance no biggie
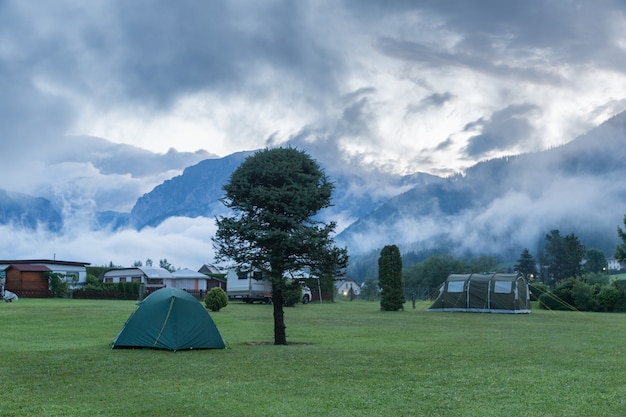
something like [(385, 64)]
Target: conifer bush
[(216, 299), (390, 279)]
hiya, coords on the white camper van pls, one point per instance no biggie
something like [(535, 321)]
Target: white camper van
[(250, 287)]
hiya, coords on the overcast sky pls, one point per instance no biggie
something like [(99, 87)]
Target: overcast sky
[(429, 86), (410, 86)]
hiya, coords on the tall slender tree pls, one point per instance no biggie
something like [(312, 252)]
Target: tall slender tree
[(274, 195), (390, 279)]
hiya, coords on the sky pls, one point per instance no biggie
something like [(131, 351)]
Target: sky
[(430, 86), (402, 86)]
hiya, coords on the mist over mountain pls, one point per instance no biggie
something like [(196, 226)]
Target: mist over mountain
[(87, 174), (499, 207), (198, 190), (194, 193), (24, 211)]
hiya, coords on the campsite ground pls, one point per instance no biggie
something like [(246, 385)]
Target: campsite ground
[(348, 358)]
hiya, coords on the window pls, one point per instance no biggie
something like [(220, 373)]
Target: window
[(122, 279), (108, 280), (502, 287), (456, 286), (135, 279)]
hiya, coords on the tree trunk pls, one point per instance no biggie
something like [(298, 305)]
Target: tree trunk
[(278, 299)]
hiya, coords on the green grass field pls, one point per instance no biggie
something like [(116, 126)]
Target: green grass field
[(346, 359)]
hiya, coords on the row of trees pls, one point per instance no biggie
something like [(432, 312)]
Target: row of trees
[(163, 263), (578, 279)]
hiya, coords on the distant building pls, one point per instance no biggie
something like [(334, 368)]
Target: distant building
[(150, 277), (614, 264), (29, 277), (345, 286), (217, 277), (188, 280)]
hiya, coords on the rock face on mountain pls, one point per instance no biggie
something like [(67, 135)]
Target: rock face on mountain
[(504, 205), (196, 192), (24, 211)]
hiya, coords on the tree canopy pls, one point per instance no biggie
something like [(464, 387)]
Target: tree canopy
[(274, 195), (564, 255), (596, 261)]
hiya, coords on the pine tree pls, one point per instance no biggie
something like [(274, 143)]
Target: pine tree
[(275, 195), (526, 264)]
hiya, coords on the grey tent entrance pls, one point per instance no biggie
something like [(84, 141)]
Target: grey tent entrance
[(171, 319), (483, 293)]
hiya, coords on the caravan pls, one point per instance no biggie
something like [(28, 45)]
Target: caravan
[(250, 287)]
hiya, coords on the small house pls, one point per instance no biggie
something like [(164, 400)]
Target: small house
[(217, 277), (186, 279), (345, 287), (150, 277), (29, 278)]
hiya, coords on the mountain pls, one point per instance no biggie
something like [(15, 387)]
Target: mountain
[(197, 192), (26, 212), (499, 207)]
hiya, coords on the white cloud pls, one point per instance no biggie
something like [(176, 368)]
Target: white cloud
[(184, 242)]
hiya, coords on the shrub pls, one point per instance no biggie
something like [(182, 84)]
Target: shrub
[(59, 286), (583, 296), (536, 289), (216, 299), (559, 299), (596, 278), (611, 298)]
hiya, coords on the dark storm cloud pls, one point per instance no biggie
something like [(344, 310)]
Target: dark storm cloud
[(413, 51), (503, 131), (170, 48), (60, 56), (153, 52), (525, 40), (354, 120)]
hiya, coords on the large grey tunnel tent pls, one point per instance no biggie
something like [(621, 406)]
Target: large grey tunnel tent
[(483, 293), (171, 319)]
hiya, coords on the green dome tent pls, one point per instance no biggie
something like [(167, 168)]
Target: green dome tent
[(171, 319), (483, 293)]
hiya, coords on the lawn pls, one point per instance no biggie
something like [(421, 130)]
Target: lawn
[(346, 359)]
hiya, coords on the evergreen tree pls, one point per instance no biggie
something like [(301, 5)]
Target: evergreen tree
[(274, 195), (526, 264), (390, 279), (564, 256)]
